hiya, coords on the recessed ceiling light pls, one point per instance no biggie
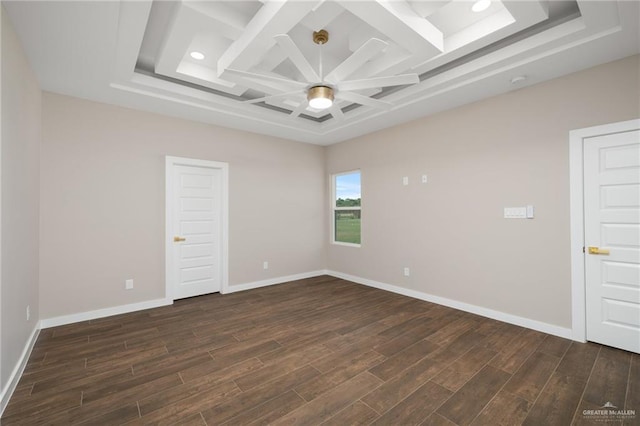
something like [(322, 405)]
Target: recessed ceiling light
[(197, 55), (481, 5)]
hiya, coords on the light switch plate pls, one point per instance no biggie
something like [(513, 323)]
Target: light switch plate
[(515, 212)]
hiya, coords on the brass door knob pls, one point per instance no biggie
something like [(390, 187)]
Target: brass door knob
[(598, 250), (178, 239)]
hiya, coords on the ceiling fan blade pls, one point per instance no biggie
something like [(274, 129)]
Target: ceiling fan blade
[(298, 59), (364, 100), (279, 95), (299, 109), (290, 84), (336, 112), (357, 59), (371, 83)]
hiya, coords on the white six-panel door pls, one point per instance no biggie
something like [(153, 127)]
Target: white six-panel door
[(195, 235), (612, 239)]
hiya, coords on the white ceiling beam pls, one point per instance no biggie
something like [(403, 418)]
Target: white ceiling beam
[(302, 106), (274, 57), (226, 20), (336, 112), (273, 18), (297, 57), (197, 74), (426, 8), (322, 15), (491, 24), (129, 42), (187, 22), (527, 11), (517, 15), (598, 15), (398, 21)]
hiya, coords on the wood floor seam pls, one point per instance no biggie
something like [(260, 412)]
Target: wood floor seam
[(546, 383), (490, 400), (374, 410), (436, 411), (628, 390), (577, 409)]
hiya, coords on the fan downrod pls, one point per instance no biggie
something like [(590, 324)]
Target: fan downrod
[(320, 37)]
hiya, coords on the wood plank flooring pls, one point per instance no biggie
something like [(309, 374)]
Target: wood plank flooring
[(316, 351)]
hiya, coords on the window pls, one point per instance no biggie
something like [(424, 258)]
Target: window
[(346, 208)]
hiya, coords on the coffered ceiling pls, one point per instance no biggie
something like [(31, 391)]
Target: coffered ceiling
[(258, 59)]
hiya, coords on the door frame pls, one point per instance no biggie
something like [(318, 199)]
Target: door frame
[(576, 200), (170, 162)]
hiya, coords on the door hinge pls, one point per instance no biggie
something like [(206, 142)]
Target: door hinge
[(583, 250)]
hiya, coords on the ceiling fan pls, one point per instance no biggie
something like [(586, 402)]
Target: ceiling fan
[(319, 91)]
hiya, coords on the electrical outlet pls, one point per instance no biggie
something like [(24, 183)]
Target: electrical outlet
[(28, 312), (407, 272), (128, 284), (424, 179), (405, 180), (265, 265)]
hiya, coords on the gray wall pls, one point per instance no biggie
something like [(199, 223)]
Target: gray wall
[(20, 199), (102, 203), (506, 151)]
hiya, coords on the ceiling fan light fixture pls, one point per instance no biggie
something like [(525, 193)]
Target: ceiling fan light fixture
[(320, 97)]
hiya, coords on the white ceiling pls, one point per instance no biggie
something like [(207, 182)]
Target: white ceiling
[(136, 54)]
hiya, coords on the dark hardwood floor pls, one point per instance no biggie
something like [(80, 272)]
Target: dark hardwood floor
[(316, 351)]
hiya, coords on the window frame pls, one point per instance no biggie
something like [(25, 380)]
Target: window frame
[(333, 208)]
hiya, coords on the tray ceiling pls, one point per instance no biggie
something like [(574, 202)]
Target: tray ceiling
[(139, 54)]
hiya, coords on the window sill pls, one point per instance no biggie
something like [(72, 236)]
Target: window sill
[(338, 243)]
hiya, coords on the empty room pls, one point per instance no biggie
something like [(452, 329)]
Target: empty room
[(389, 212)]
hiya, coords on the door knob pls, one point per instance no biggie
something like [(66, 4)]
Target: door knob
[(598, 250), (178, 239)]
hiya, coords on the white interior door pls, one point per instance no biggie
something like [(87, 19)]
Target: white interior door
[(195, 230), (612, 238)]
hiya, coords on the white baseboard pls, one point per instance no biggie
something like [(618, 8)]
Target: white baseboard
[(101, 313), (124, 309), (478, 310), (18, 369), (273, 281)]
